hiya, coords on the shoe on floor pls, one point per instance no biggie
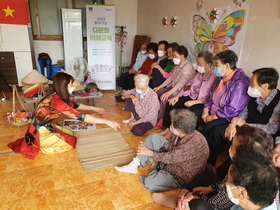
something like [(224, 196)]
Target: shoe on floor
[(119, 100), (118, 96)]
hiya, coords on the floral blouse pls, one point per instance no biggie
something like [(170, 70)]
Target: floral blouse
[(52, 107)]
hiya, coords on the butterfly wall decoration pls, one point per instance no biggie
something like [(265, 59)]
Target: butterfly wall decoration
[(221, 37)]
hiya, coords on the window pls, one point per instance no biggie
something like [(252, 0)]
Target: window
[(46, 16)]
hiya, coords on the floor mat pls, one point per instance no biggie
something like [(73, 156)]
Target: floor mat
[(102, 148)]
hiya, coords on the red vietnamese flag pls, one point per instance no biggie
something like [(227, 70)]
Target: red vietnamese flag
[(14, 12)]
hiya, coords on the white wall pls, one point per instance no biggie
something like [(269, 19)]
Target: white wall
[(261, 45), (126, 15)]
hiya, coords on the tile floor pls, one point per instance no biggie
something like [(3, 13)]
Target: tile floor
[(58, 182)]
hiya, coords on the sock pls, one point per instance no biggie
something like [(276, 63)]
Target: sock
[(159, 124), (132, 167)]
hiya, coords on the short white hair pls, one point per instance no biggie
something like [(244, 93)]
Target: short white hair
[(142, 79)]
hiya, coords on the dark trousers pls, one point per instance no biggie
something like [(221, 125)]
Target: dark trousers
[(199, 204), (125, 80), (216, 140), (209, 176), (211, 125), (158, 78), (203, 179), (141, 128), (180, 105)]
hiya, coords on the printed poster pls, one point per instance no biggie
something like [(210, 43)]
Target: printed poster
[(101, 45)]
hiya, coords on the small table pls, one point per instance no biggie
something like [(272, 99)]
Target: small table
[(34, 101), (89, 97)]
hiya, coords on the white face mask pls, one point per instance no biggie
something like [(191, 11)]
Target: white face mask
[(230, 196), (200, 69), (143, 52), (254, 92), (152, 56), (160, 53), (71, 90), (141, 92), (230, 153), (176, 61), (138, 91)]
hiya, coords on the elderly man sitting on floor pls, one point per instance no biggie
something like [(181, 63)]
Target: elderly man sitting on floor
[(143, 104), (179, 159)]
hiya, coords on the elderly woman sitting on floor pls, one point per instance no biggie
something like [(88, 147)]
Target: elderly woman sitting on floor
[(143, 104), (179, 159)]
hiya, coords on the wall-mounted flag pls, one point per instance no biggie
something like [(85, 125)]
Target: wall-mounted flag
[(14, 12)]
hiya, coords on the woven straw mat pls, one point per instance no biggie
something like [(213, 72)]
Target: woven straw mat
[(102, 148)]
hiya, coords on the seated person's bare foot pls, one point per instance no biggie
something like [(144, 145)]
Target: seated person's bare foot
[(163, 133)]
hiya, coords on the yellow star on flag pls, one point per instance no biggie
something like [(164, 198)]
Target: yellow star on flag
[(8, 11)]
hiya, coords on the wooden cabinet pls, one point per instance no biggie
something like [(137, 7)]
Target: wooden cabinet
[(7, 70)]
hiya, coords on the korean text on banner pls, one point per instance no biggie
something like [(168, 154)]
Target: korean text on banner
[(101, 45)]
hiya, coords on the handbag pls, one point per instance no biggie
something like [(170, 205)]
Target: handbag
[(29, 145), (29, 137)]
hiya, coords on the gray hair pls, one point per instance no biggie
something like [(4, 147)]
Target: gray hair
[(183, 120), (208, 57), (142, 79)]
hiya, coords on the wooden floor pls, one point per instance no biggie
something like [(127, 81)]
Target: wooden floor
[(58, 182)]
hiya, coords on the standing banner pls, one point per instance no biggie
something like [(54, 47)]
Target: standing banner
[(101, 45)]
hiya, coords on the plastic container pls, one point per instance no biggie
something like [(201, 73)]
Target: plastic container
[(56, 69), (48, 65), (49, 68)]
